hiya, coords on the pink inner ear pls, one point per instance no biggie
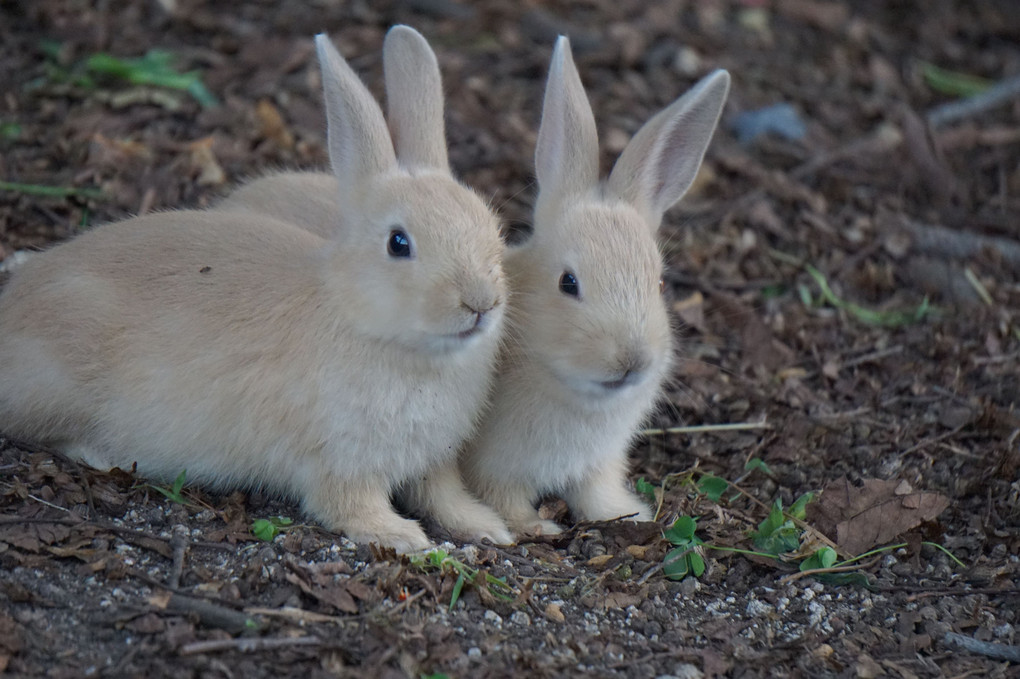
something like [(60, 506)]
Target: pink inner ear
[(678, 157)]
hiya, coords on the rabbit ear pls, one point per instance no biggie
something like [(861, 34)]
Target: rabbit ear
[(414, 99), (359, 142), (567, 151), (661, 161)]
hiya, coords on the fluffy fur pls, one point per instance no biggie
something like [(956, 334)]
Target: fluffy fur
[(255, 352), (580, 373)]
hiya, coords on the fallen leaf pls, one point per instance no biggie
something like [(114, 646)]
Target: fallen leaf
[(272, 126), (637, 551), (204, 162), (336, 596), (554, 613), (599, 561), (874, 514)]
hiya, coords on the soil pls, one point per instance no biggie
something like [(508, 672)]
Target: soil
[(911, 428)]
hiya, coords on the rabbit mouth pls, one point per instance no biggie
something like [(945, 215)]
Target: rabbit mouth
[(629, 378)]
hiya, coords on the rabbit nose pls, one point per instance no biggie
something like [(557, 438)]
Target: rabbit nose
[(633, 365)]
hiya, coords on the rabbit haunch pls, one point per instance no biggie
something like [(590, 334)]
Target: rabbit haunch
[(589, 340), (253, 352)]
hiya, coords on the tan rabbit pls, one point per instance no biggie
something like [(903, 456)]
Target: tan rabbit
[(589, 340), (254, 353)]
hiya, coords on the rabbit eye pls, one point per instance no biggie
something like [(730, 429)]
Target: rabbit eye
[(568, 284), (399, 245), (662, 286)]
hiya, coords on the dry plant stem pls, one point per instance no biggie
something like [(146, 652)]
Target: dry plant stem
[(945, 242), (179, 545), (247, 645), (212, 614), (995, 95), (835, 569), (293, 614), (703, 428), (985, 648)]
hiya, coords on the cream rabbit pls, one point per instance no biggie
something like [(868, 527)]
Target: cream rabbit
[(251, 352), (589, 340)]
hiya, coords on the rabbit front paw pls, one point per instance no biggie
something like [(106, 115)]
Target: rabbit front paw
[(538, 527), (405, 536)]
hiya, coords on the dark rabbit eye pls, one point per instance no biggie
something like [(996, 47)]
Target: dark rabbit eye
[(568, 284), (399, 245)]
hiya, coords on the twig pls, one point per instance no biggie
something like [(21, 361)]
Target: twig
[(294, 614), (978, 286), (212, 614), (701, 428), (834, 569), (929, 441), (985, 648), (945, 242), (971, 106), (179, 545), (246, 645)]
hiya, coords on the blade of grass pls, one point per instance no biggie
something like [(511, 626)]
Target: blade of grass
[(51, 191)]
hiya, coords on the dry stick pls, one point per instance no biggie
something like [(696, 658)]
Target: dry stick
[(995, 95), (834, 569), (985, 648), (247, 645), (929, 441), (701, 428), (938, 240), (179, 545), (211, 614)]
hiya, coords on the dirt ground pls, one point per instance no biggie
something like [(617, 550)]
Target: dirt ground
[(849, 284)]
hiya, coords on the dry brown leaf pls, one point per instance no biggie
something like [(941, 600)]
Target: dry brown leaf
[(599, 561), (623, 599), (204, 162), (876, 513), (554, 613), (272, 126), (336, 596)]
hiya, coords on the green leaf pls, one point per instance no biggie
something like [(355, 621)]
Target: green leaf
[(772, 291), (823, 558), (798, 509), (154, 68), (179, 482), (264, 530), (712, 486), (676, 565), (647, 489), (853, 578), (756, 463), (457, 588), (953, 83), (697, 564), (10, 131), (777, 534), (682, 530), (805, 295), (435, 675)]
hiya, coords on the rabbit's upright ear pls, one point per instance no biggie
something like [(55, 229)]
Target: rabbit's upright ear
[(414, 99), (359, 142), (662, 160), (567, 151)]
